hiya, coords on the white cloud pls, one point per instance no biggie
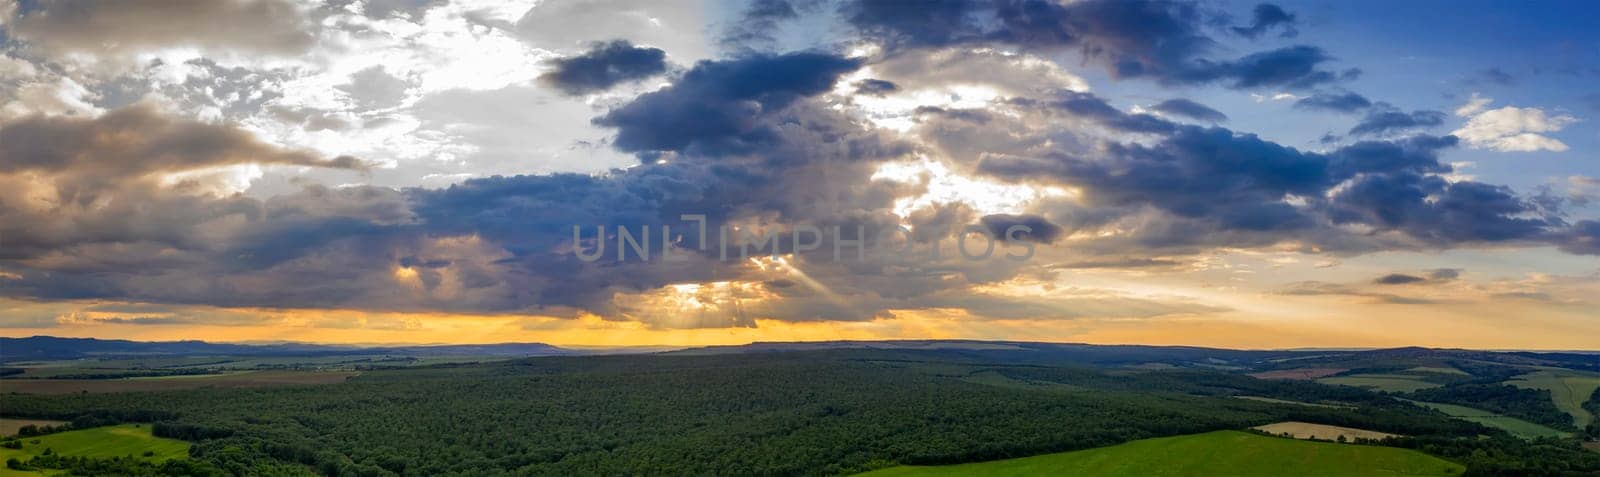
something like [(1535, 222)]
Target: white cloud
[(1261, 98), (1510, 129), (1473, 106)]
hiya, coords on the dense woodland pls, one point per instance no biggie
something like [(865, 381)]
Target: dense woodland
[(799, 413)]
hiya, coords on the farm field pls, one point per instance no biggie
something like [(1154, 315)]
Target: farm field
[(1510, 424), (230, 380), (1569, 389), (1397, 383), (1232, 453), (1306, 430), (99, 442)]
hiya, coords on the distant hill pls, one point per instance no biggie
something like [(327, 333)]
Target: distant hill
[(50, 347), (1185, 356)]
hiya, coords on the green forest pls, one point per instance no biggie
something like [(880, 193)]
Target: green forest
[(796, 413)]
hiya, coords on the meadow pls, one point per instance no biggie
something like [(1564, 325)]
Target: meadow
[(1568, 389), (1231, 453), (1510, 424), (127, 440)]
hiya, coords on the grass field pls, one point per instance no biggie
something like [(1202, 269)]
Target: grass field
[(1510, 424), (231, 380), (9, 427), (1398, 383), (99, 442), (1306, 430), (1569, 390), (1231, 453)]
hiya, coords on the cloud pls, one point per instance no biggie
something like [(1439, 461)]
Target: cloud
[(1216, 184), (1190, 109), (374, 88), (1317, 288), (1039, 229), (1510, 129), (1398, 279), (126, 188), (134, 141), (1583, 238), (1433, 276), (1162, 40), (1441, 212), (757, 24), (675, 27), (603, 66), (1385, 120), (715, 106), (1343, 102), (126, 28), (1264, 17), (875, 87), (1292, 67)]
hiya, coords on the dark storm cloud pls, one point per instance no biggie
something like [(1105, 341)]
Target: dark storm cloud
[(1215, 181), (716, 106), (1158, 39), (1344, 102), (1190, 109), (1265, 17), (122, 28), (1440, 212), (1392, 121), (605, 65)]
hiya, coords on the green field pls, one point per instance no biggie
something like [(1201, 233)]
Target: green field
[(99, 442), (1232, 453), (1569, 389), (1517, 427), (1398, 383)]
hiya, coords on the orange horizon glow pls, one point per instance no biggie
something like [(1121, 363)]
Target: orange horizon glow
[(1378, 326)]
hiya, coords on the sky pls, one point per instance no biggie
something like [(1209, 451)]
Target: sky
[(1215, 173)]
